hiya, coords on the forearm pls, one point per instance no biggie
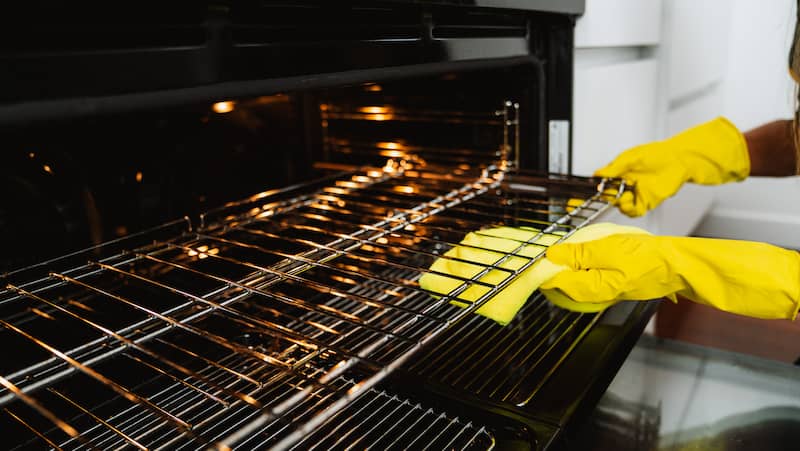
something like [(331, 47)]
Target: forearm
[(771, 148)]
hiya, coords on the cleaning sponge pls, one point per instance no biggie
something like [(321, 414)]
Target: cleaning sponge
[(487, 247)]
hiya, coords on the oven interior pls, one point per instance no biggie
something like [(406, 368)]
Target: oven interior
[(77, 182), (293, 318)]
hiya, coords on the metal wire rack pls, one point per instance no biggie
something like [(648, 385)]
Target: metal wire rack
[(262, 326), (506, 364)]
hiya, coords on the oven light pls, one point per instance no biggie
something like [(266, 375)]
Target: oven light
[(390, 145), (373, 88), (392, 153), (405, 189), (223, 107), (374, 110), (47, 169), (139, 176)]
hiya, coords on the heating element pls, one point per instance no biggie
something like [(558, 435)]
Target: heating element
[(272, 321)]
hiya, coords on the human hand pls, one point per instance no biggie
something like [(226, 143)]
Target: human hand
[(747, 278), (709, 154)]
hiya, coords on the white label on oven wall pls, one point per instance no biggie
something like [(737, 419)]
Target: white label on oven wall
[(558, 150)]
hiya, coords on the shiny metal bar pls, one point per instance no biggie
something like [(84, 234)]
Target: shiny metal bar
[(539, 332), (381, 261), (387, 431), (352, 429), (138, 347), (332, 254), (427, 428), (488, 346), (407, 118), (122, 391), (142, 425), (441, 432), (561, 359), (538, 335), (281, 275), (475, 436), (191, 329), (380, 424), (32, 429), (293, 301), (99, 420), (272, 329), (385, 246), (459, 222)]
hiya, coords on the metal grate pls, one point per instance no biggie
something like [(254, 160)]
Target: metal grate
[(507, 364), (261, 327), (370, 133)]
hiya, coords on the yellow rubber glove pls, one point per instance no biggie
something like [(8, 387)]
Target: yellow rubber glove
[(489, 246), (709, 154), (747, 278)]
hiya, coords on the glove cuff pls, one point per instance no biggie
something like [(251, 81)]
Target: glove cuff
[(740, 170)]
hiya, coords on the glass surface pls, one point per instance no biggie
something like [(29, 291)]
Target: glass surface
[(674, 396)]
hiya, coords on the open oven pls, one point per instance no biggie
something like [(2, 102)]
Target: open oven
[(376, 134)]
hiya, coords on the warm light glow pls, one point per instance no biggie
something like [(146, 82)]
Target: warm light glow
[(390, 145), (374, 110), (346, 280), (382, 240), (223, 107), (379, 117), (392, 153), (47, 169), (347, 184), (202, 252), (330, 330), (31, 155), (139, 177), (405, 189), (373, 88), (41, 313)]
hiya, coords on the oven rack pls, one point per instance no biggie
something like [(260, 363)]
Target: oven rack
[(258, 271), (354, 132)]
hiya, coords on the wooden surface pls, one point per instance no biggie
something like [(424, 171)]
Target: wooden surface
[(702, 325)]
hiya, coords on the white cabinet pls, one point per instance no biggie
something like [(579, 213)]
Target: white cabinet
[(614, 109), (696, 37), (613, 23)]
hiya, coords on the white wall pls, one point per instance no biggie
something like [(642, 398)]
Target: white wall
[(756, 88)]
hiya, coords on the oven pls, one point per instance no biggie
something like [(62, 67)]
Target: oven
[(257, 188)]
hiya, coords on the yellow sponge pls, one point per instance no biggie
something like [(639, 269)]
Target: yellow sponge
[(487, 247)]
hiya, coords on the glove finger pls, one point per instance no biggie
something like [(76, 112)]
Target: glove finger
[(616, 168), (594, 285), (630, 205)]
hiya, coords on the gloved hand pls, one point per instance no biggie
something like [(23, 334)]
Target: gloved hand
[(487, 247), (747, 278), (709, 154)]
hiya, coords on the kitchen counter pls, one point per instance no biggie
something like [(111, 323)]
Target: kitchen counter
[(670, 395)]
